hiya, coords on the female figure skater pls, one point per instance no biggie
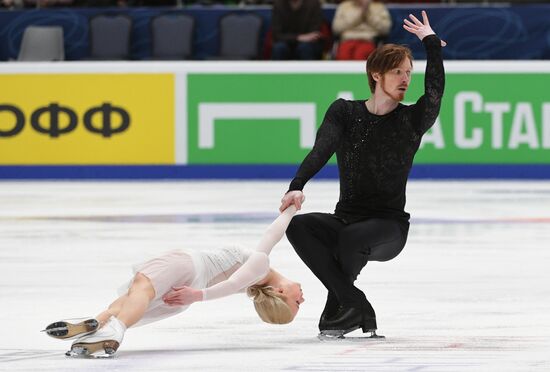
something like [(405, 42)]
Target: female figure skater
[(167, 285)]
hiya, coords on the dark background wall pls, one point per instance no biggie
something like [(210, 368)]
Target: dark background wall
[(472, 32)]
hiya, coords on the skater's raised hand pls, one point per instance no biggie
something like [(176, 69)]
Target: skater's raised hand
[(181, 296), (420, 29)]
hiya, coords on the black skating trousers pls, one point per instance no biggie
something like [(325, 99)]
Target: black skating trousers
[(336, 251)]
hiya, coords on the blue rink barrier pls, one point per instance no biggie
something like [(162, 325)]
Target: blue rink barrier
[(259, 172)]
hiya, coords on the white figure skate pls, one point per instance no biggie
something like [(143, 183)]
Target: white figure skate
[(65, 330), (101, 344)]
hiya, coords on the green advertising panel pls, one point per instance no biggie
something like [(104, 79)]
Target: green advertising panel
[(491, 119), (261, 140), (267, 118)]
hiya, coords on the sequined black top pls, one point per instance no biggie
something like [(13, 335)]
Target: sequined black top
[(375, 152)]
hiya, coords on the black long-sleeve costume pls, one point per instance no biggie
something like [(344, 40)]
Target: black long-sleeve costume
[(375, 152)]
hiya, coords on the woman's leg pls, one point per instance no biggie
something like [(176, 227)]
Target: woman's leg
[(113, 310), (130, 307)]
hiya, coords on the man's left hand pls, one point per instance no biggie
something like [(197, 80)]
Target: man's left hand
[(420, 29)]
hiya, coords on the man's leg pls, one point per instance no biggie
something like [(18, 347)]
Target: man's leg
[(314, 237), (326, 229), (375, 239)]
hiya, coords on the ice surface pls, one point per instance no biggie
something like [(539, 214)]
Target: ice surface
[(468, 293)]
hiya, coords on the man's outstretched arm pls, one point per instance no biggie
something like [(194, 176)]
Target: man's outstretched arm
[(427, 107)]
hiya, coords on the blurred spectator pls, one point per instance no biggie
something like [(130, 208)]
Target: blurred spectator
[(12, 4), (101, 3), (123, 3), (429, 1), (296, 26), (152, 2), (359, 23)]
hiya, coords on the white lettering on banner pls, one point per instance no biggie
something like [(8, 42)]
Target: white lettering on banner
[(497, 110), (461, 140), (523, 129), (304, 112), (345, 95), (546, 126), (434, 135), (523, 115)]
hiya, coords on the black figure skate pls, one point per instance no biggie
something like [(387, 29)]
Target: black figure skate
[(347, 320)]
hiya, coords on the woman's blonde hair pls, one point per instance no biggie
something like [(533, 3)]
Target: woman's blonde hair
[(270, 305)]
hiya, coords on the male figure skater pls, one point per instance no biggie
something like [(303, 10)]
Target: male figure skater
[(375, 141)]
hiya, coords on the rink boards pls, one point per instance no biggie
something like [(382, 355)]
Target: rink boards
[(253, 119)]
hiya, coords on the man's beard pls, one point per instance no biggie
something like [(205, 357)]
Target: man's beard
[(396, 96)]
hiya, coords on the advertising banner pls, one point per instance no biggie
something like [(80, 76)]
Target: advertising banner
[(253, 119), (48, 119), (489, 118)]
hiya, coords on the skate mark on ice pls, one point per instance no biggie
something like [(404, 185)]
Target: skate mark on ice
[(166, 218), (381, 364), (175, 353), (10, 355), (430, 354), (260, 218)]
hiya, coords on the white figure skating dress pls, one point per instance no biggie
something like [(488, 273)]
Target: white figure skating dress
[(219, 272)]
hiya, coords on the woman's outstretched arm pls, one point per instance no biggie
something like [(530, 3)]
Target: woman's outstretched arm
[(251, 272)]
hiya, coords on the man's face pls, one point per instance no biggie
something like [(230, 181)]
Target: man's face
[(395, 82)]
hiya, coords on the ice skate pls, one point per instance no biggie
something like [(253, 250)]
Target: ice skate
[(64, 330), (102, 344), (368, 328), (340, 335), (347, 320)]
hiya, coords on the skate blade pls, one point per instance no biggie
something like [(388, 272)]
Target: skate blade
[(102, 349), (338, 333), (340, 336), (65, 330)]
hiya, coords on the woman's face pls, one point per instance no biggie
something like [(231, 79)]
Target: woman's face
[(294, 296)]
